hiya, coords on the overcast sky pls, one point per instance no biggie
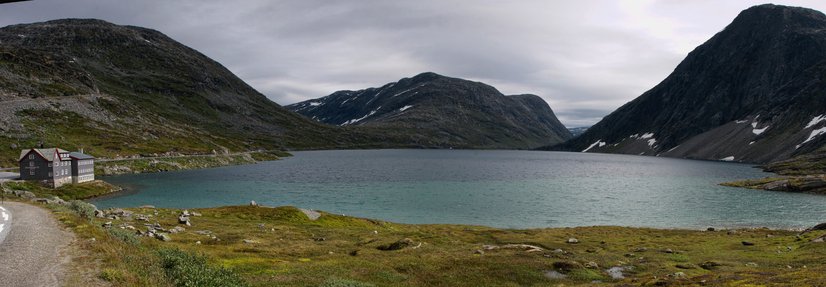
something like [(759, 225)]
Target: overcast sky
[(585, 58)]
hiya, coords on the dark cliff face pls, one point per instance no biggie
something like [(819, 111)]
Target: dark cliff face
[(450, 109), (746, 94)]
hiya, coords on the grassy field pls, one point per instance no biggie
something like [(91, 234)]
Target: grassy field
[(264, 246)]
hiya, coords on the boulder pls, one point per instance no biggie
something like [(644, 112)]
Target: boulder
[(780, 185), (398, 245), (747, 243), (572, 241), (177, 229), (811, 185), (163, 237), (252, 203), (183, 218)]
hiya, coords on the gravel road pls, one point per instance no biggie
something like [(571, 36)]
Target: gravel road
[(38, 251)]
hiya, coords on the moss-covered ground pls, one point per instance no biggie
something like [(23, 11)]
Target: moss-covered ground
[(161, 164), (283, 247)]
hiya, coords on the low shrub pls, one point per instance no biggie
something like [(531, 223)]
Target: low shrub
[(189, 269), (83, 209), (124, 235), (111, 275)]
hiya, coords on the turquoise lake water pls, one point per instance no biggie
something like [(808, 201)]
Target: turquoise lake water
[(508, 189)]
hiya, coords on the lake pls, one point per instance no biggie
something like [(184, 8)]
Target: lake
[(496, 188)]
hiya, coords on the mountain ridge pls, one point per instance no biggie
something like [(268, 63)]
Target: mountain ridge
[(455, 110), (746, 94)]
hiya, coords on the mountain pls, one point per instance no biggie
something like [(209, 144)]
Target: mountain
[(461, 112), (578, 131), (122, 90), (754, 92)]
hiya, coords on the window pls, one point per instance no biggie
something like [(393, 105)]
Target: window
[(31, 172), (50, 164), (31, 163), (50, 174), (31, 156)]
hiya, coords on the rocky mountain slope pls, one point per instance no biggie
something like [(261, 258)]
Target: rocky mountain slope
[(121, 90), (453, 110), (754, 93)]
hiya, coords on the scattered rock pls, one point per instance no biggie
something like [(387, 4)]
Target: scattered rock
[(641, 249), (572, 241), (147, 206), (528, 248), (312, 215), (616, 272), (177, 229), (821, 226), (710, 265), (751, 264), (711, 229), (251, 241), (747, 243), (375, 232), (558, 251), (203, 232), (183, 218), (107, 224), (27, 194), (554, 274), (780, 185), (668, 250), (261, 225), (398, 245), (677, 274), (195, 214), (320, 239), (163, 237), (592, 265), (480, 252), (731, 232)]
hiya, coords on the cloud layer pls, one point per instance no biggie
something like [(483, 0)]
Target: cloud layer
[(585, 58)]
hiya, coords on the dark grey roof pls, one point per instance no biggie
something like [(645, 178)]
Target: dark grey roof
[(77, 155)]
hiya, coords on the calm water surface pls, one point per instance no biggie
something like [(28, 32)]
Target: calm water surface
[(512, 189)]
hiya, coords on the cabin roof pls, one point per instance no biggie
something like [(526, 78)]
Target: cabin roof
[(47, 154), (77, 155)]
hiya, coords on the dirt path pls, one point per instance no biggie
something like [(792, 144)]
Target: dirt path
[(39, 252)]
